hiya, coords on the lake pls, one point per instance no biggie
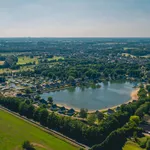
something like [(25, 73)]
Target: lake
[(110, 94)]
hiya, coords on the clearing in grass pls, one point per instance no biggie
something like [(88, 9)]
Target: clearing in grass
[(14, 131)]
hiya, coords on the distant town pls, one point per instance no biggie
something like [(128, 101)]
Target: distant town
[(31, 67)]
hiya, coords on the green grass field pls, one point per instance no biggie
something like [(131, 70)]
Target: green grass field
[(14, 131), (25, 60), (132, 146)]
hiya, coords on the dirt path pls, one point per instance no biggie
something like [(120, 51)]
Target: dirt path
[(40, 145)]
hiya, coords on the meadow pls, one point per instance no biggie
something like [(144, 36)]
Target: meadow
[(14, 131), (132, 146), (25, 60)]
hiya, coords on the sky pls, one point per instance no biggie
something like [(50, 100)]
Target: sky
[(74, 18)]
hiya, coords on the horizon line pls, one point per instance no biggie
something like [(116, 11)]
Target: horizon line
[(76, 37)]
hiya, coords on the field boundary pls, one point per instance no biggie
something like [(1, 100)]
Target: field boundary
[(45, 129)]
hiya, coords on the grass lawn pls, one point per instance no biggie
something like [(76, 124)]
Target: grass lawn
[(14, 131), (132, 146), (25, 60)]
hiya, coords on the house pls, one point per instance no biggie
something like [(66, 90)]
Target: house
[(54, 107), (110, 111), (71, 112), (18, 95), (118, 108), (134, 100), (62, 110), (47, 86), (43, 101)]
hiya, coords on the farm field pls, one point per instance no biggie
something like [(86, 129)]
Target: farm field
[(26, 60), (14, 131)]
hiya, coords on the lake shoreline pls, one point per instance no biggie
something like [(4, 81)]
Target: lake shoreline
[(133, 95)]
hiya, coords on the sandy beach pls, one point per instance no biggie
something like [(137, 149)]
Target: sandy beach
[(134, 96)]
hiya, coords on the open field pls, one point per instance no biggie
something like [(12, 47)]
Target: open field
[(132, 146), (26, 60), (14, 131), (126, 55), (55, 58), (146, 56), (127, 48)]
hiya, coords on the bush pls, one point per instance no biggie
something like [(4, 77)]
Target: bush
[(27, 146), (143, 143), (148, 145)]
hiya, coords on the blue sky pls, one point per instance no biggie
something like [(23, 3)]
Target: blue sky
[(75, 18)]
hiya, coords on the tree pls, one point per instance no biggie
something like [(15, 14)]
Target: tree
[(50, 100), (83, 113), (43, 116), (37, 98), (2, 79), (148, 144), (27, 146), (148, 88), (23, 109), (135, 136), (91, 119), (99, 115), (142, 93), (135, 119), (37, 115), (70, 78), (31, 110), (143, 109), (10, 61), (28, 91)]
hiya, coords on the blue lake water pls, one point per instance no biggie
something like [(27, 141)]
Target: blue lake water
[(110, 94)]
